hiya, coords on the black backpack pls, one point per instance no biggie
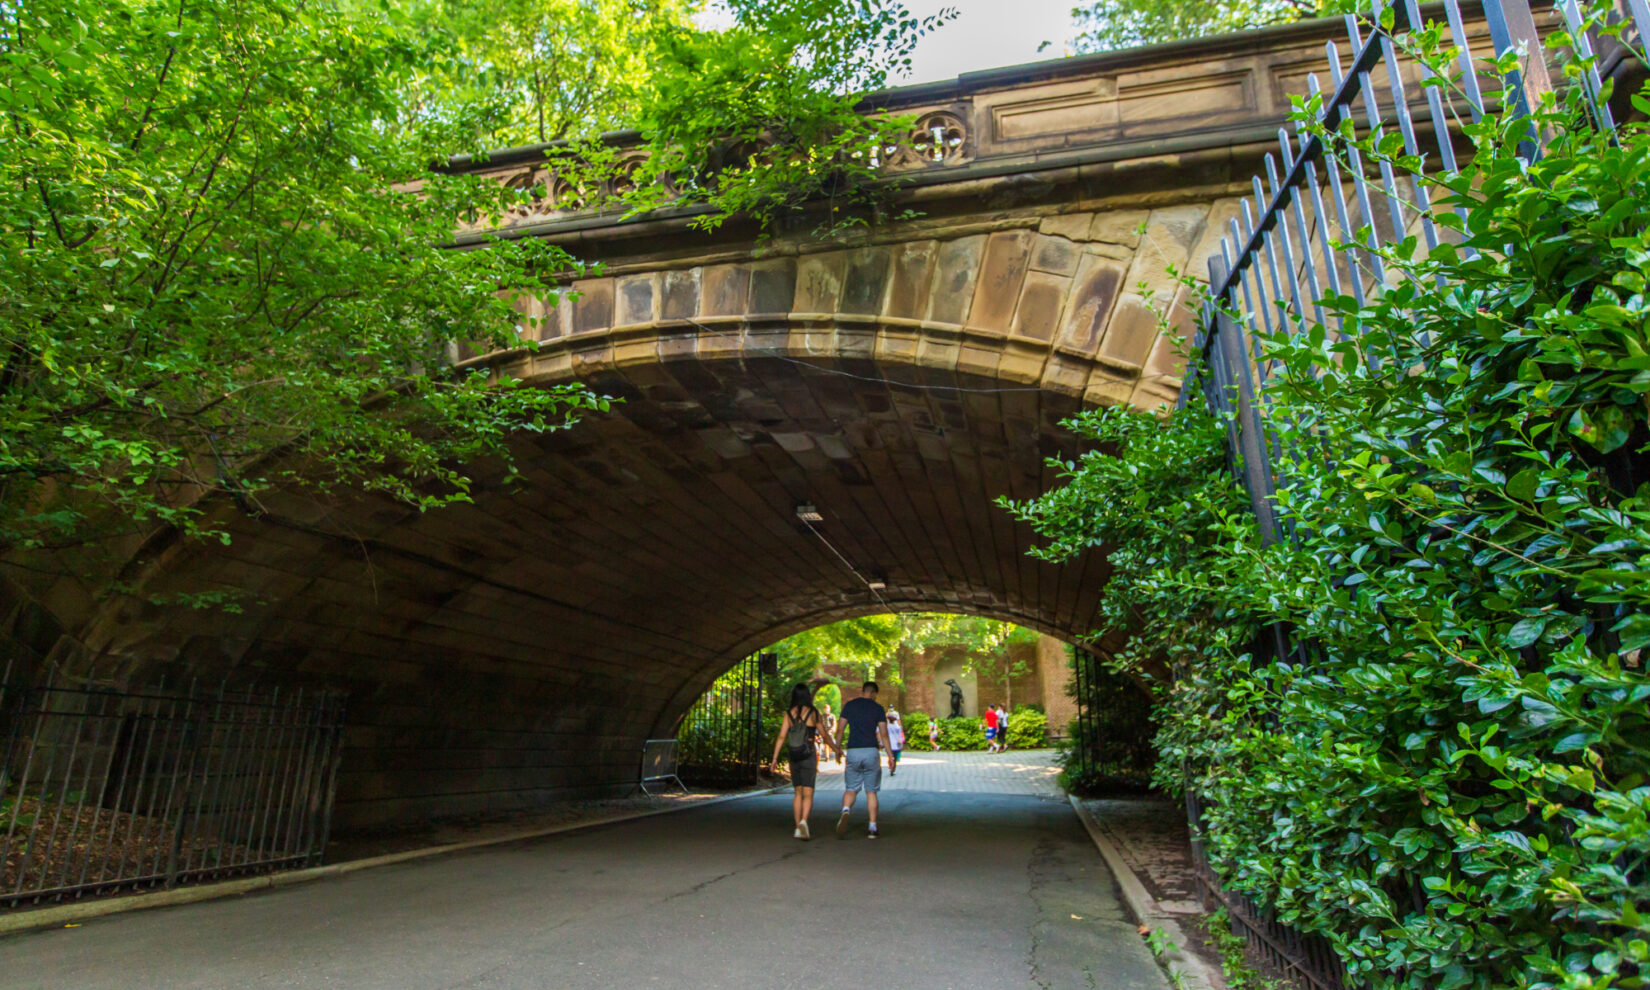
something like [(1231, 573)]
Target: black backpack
[(797, 740)]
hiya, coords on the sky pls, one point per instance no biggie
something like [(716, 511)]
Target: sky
[(985, 34), (988, 34)]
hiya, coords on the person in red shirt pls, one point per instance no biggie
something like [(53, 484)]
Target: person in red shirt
[(991, 730)]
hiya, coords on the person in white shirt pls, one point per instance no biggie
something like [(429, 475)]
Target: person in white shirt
[(896, 742)]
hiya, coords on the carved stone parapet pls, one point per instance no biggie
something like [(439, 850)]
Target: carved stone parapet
[(940, 138)]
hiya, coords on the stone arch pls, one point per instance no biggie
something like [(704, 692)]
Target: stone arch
[(1055, 303), (500, 654), (903, 384)]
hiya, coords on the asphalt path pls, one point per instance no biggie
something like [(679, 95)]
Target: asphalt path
[(961, 891)]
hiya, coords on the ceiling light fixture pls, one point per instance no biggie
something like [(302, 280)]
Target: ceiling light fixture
[(808, 513)]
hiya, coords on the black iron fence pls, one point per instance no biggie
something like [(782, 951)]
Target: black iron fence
[(1111, 739), (719, 742), (103, 791), (1314, 227)]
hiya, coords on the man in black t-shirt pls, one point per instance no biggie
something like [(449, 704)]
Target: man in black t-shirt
[(863, 722)]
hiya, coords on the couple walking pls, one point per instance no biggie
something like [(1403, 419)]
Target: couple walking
[(862, 722)]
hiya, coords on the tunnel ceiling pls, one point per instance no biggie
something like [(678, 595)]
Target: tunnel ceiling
[(665, 529)]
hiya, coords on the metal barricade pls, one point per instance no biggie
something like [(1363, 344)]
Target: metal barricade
[(659, 764)]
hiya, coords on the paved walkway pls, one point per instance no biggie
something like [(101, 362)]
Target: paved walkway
[(963, 890), (1030, 772)]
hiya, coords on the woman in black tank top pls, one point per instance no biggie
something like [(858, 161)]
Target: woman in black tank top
[(798, 734)]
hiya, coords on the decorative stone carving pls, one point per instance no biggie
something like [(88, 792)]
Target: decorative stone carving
[(939, 138), (568, 197), (529, 184), (623, 180)]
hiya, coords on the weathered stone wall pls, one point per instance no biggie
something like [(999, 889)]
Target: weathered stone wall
[(1056, 677)]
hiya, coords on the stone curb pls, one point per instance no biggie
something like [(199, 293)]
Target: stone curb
[(63, 914), (1193, 972)]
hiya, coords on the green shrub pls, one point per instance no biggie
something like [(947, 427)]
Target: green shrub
[(916, 729), (1447, 780), (962, 733), (1027, 729)]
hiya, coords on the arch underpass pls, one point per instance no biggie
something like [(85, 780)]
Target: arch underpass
[(499, 654), (901, 378)]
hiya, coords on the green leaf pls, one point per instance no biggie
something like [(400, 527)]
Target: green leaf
[(1523, 485), (1524, 632)]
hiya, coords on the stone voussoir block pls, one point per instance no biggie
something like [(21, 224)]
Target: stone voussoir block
[(1041, 301), (956, 270), (725, 290), (593, 307), (819, 281), (913, 270), (1002, 271), (636, 299)]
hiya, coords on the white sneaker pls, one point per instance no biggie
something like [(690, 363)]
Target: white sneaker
[(796, 833), (802, 832), (842, 824)]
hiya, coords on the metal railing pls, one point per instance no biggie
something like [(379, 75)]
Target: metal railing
[(719, 741), (1289, 251), (103, 791)]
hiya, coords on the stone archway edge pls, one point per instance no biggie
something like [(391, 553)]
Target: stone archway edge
[(755, 326), (68, 915), (903, 343)]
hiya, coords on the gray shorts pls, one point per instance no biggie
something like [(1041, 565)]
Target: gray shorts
[(862, 771)]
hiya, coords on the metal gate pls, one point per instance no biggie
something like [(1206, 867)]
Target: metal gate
[(719, 742), (1112, 737), (103, 790), (1084, 728)]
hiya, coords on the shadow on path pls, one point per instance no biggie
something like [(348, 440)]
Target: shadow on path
[(963, 890)]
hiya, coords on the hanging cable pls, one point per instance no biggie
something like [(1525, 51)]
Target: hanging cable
[(848, 564)]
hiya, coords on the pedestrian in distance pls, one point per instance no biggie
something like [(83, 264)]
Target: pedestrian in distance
[(896, 742), (831, 729), (798, 733), (934, 734), (822, 743), (863, 723), (990, 720), (1002, 728)]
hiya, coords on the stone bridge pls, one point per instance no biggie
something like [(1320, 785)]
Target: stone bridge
[(900, 379)]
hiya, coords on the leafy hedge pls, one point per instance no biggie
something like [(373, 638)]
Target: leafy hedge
[(1451, 781), (962, 733), (1027, 729), (916, 729)]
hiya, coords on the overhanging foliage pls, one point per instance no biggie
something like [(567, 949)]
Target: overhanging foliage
[(1451, 780)]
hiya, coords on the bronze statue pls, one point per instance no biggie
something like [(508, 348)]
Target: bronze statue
[(956, 699)]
